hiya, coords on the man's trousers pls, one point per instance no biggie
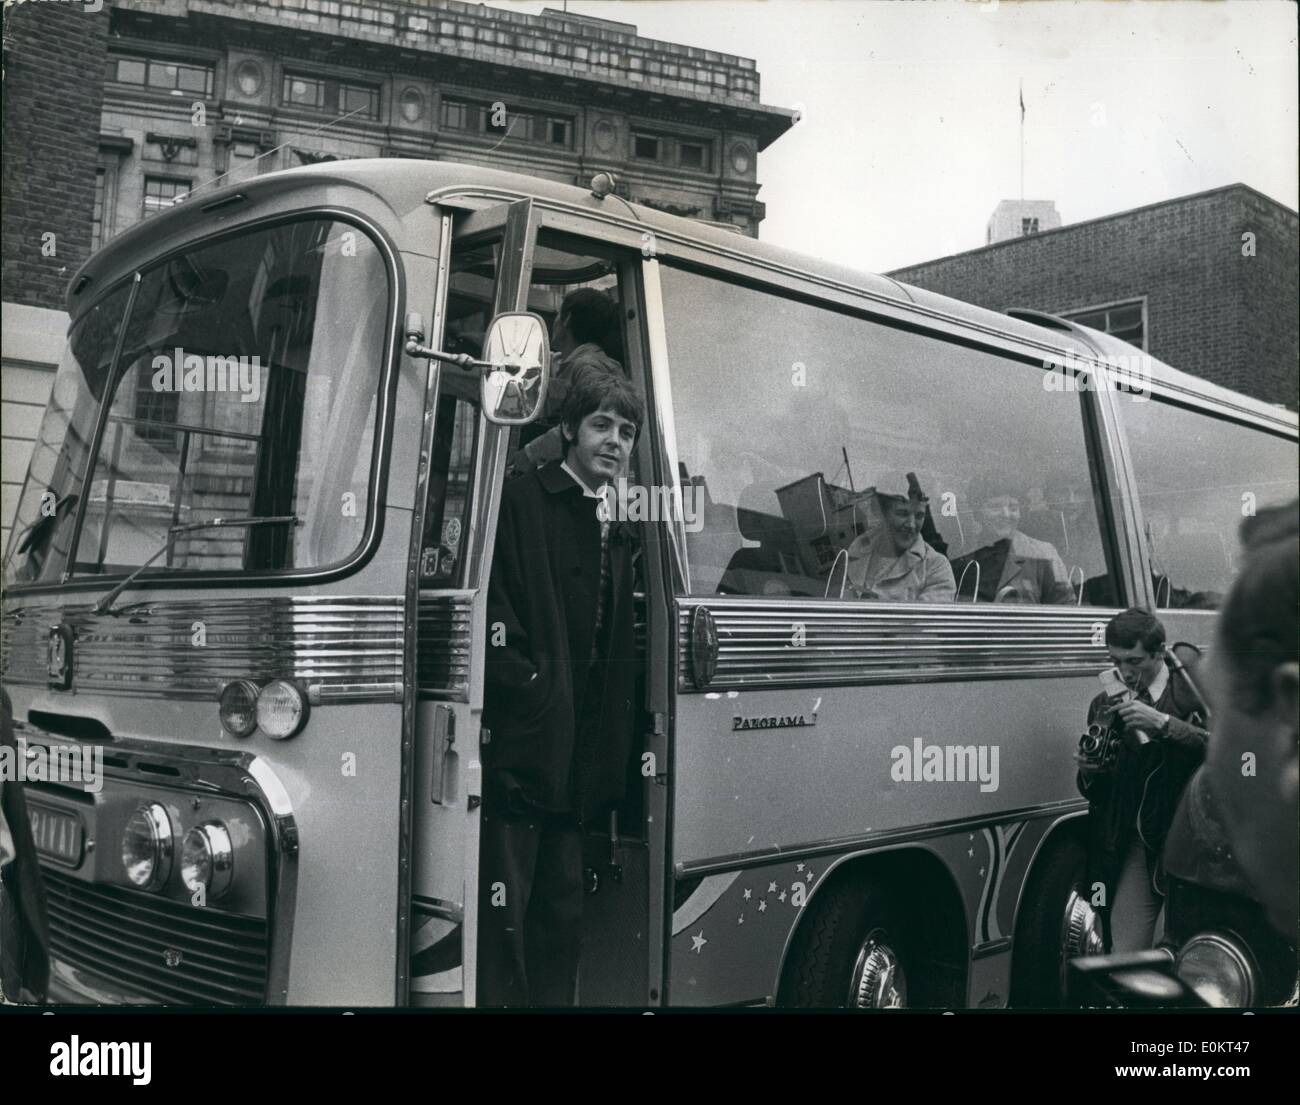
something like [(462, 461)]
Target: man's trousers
[(530, 910), (1136, 909)]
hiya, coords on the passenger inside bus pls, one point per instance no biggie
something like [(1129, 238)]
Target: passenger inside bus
[(1011, 566), (895, 563)]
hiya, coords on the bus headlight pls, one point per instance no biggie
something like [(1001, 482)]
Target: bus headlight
[(1218, 970), (238, 707), (207, 859), (281, 709), (148, 845)]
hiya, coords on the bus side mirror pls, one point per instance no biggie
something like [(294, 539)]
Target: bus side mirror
[(518, 352)]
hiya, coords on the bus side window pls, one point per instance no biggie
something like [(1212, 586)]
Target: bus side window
[(1198, 477), (800, 425)]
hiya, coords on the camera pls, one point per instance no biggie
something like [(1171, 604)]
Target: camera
[(1099, 746)]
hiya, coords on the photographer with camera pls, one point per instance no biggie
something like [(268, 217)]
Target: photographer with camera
[(1145, 740)]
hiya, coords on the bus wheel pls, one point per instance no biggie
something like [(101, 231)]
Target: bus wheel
[(1057, 924), (851, 953)]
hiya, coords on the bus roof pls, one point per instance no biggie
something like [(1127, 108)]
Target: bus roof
[(405, 184)]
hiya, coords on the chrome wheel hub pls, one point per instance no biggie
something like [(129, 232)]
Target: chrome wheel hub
[(878, 979), (1081, 933)]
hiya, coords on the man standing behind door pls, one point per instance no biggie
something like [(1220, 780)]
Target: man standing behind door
[(560, 672)]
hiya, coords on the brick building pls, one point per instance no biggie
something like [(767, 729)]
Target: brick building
[(1206, 283), (112, 116)]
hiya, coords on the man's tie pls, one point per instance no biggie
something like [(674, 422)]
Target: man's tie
[(604, 580)]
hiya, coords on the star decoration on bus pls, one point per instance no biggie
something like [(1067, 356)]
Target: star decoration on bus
[(698, 942)]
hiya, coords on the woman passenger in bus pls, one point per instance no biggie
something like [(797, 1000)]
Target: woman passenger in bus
[(1011, 567), (895, 564)]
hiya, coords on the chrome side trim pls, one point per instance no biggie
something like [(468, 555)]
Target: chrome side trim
[(348, 648), (818, 643), (446, 624)]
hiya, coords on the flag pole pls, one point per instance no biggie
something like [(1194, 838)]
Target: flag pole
[(1022, 139)]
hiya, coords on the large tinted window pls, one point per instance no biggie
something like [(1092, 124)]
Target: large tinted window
[(794, 422), (1197, 478), (247, 386)]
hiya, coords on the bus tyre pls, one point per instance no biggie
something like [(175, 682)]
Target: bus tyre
[(1055, 920), (853, 952)]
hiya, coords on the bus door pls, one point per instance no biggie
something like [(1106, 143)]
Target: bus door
[(482, 274), (506, 258)]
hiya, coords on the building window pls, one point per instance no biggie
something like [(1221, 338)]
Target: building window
[(560, 132), (457, 115), (1126, 321), (1029, 225), (327, 94), (157, 413), (161, 193), (361, 99), (97, 218), (522, 126), (646, 147), (304, 91), (695, 155), (163, 76)]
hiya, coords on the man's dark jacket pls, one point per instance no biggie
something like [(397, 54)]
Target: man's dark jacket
[(1148, 777), (24, 927), (549, 750)]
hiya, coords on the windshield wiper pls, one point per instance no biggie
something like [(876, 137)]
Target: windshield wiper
[(104, 605)]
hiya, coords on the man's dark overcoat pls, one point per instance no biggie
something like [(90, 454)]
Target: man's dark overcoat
[(546, 752)]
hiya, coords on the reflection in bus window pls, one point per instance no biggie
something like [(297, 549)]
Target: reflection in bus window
[(265, 346), (1197, 478), (792, 420)]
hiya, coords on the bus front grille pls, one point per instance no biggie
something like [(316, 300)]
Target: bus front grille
[(157, 949)]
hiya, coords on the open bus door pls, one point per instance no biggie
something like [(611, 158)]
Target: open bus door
[(484, 273)]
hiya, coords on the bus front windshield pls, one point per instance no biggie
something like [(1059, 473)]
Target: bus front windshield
[(247, 386)]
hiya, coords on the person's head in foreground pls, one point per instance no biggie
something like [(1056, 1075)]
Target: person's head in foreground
[(1253, 676)]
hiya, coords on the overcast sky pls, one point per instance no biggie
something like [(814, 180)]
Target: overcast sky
[(911, 126)]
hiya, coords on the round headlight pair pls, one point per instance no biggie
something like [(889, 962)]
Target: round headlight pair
[(1218, 970), (149, 847), (279, 709)]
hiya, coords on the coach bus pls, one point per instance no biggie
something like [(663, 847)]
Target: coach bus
[(249, 567)]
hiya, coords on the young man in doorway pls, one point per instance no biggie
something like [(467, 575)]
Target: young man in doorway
[(560, 673)]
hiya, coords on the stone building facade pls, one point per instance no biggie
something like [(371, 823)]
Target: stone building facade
[(112, 116), (1207, 283)]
